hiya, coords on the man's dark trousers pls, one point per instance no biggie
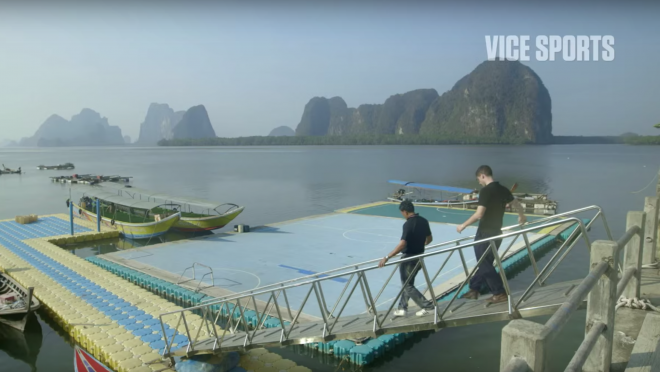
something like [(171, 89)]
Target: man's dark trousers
[(486, 272), (407, 269)]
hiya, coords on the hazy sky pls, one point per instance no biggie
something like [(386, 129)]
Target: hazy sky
[(255, 66)]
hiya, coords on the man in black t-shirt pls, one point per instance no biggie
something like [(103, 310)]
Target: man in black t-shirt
[(493, 199), (416, 235)]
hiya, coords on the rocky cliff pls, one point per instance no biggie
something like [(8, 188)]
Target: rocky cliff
[(401, 113), (158, 124), (194, 124), (498, 99), (501, 99), (87, 128), (282, 131)]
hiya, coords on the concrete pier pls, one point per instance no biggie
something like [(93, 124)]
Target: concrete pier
[(622, 328)]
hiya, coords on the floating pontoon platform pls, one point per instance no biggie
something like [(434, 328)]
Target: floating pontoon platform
[(111, 318), (229, 263)]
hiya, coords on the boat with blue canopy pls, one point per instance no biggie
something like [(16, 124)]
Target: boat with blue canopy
[(417, 193), (464, 198)]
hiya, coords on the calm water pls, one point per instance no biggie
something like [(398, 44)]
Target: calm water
[(281, 183)]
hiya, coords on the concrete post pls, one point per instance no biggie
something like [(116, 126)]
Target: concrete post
[(601, 302), (633, 254), (657, 194), (651, 231), (526, 340)]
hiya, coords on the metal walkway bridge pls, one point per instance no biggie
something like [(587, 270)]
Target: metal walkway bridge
[(272, 303)]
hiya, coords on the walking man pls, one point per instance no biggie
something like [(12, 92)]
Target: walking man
[(416, 235), (493, 199)]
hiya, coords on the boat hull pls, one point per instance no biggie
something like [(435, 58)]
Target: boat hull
[(84, 362), (17, 317), (535, 205), (199, 224), (49, 167), (135, 230)]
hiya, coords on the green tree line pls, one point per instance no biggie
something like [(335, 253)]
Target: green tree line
[(371, 139), (393, 139)]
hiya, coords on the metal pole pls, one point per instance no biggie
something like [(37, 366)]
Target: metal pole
[(71, 216), (98, 215), (584, 351)]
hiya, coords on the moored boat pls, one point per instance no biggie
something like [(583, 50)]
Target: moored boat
[(6, 170), (64, 166), (197, 214), (89, 179), (468, 198), (84, 362), (135, 219), (14, 300)]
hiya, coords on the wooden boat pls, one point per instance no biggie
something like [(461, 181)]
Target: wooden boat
[(14, 298), (197, 214), (84, 362), (135, 219), (6, 170), (464, 198), (58, 167)]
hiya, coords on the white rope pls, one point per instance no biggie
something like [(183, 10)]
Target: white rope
[(647, 186), (635, 303)]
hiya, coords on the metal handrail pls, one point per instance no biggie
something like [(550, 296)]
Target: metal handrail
[(355, 271), (195, 276), (360, 272), (434, 246)]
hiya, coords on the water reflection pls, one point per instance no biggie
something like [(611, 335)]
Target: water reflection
[(99, 247), (23, 346)]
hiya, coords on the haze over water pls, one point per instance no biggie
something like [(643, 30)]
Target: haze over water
[(282, 183)]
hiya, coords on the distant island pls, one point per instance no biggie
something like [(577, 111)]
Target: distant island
[(163, 123), (282, 131), (88, 128), (499, 102)]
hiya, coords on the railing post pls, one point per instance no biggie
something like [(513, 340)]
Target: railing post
[(633, 254), (71, 216), (651, 231), (98, 215), (526, 340), (601, 303)]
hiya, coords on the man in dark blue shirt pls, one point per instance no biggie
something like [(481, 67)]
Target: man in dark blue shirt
[(493, 199), (416, 235)]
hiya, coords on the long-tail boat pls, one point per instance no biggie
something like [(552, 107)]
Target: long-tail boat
[(197, 214), (134, 218), (6, 170), (58, 166), (466, 198), (84, 362)]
